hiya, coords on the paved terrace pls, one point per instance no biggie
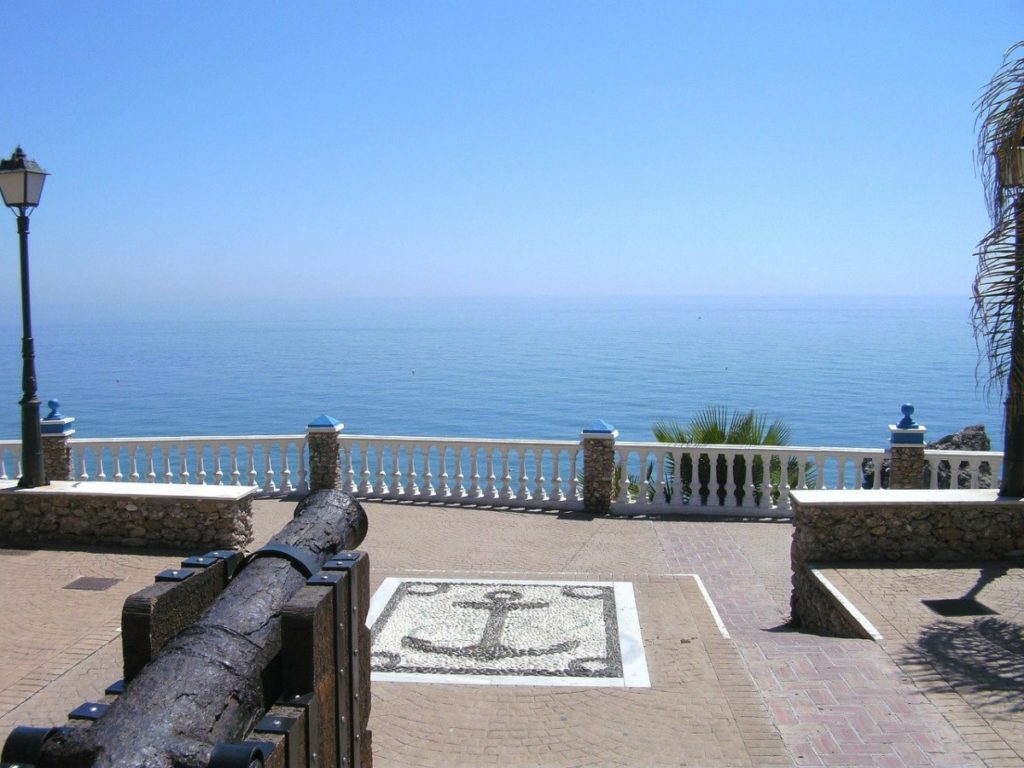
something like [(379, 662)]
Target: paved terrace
[(745, 691)]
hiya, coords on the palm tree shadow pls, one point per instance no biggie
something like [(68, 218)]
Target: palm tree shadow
[(982, 657)]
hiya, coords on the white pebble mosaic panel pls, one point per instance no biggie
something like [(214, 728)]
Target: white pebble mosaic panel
[(507, 633)]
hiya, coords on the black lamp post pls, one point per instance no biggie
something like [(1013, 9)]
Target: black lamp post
[(21, 184)]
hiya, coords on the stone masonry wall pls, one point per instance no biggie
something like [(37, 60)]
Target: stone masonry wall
[(898, 529), (324, 460), (57, 458), (906, 467), (820, 613), (130, 521), (598, 475)]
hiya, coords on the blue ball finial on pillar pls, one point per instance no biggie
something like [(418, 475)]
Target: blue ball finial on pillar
[(907, 422), (54, 410)]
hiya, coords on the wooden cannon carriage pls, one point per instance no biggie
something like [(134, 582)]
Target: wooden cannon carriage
[(232, 661)]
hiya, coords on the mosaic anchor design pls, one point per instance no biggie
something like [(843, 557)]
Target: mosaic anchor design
[(502, 630), (499, 603)]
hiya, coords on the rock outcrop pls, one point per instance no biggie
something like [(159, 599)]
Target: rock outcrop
[(971, 438)]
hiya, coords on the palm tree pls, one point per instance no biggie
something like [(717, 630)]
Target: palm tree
[(998, 312), (715, 425)]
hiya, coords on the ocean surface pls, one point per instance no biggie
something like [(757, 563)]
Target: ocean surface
[(835, 369)]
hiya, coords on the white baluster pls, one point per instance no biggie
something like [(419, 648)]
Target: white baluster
[(412, 490), (269, 484), (133, 458), (646, 487), (841, 473), (396, 473), (660, 478), (460, 487), (730, 480), (236, 473), (366, 486), (750, 490), (556, 469), (84, 473), (539, 491), (492, 491), (801, 477), (784, 485), (253, 474), (506, 475), (200, 464), (474, 481), (623, 495), (381, 489), (443, 490), (101, 474), (118, 476), (218, 470), (429, 492), (183, 463), (286, 470), (523, 492), (575, 491)]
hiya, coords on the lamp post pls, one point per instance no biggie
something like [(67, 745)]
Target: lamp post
[(21, 184)]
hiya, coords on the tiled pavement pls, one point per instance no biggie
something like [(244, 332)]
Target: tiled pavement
[(764, 696)]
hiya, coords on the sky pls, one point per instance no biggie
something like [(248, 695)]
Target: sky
[(249, 150)]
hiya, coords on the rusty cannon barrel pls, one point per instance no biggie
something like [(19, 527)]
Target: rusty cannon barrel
[(273, 637)]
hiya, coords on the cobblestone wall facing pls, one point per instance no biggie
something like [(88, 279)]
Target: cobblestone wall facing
[(324, 460), (57, 461), (820, 612), (598, 475), (132, 521), (902, 526), (906, 467)]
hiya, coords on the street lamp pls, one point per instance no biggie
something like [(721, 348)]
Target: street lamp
[(21, 184)]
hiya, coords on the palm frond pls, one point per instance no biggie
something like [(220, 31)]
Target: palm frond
[(710, 425), (998, 282), (669, 432)]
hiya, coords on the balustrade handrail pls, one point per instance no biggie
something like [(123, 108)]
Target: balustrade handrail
[(742, 448), (540, 473), (181, 439), (481, 441)]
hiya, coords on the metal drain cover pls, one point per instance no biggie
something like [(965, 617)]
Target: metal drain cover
[(92, 583), (959, 607)]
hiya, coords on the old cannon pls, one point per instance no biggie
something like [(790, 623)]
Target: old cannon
[(237, 661)]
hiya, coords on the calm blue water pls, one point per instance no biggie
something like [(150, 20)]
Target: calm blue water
[(836, 370)]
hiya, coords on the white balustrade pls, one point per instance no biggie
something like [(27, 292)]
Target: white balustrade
[(962, 469), (10, 459), (655, 478), (662, 478), (529, 473), (187, 461)]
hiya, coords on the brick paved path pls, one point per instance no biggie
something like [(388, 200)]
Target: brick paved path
[(970, 667), (836, 702), (765, 696)]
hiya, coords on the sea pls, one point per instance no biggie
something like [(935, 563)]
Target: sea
[(836, 370)]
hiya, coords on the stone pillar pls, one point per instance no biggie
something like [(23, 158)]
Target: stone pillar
[(598, 467), (56, 430), (324, 453), (906, 449)]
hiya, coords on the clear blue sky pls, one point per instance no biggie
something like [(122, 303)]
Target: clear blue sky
[(201, 150)]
